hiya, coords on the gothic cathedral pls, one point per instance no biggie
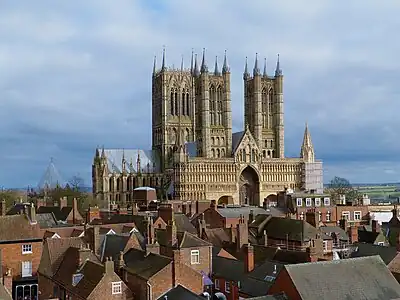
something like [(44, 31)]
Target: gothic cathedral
[(193, 144)]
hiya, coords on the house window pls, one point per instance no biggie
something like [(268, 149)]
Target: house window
[(328, 216), (325, 246), (26, 249), (216, 284), (26, 268), (308, 202), (227, 287), (116, 288), (194, 257), (357, 215), (327, 201), (299, 201), (346, 215), (317, 201), (381, 244)]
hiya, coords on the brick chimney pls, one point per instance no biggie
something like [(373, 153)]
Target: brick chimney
[(197, 207), (353, 234), (232, 231), (63, 202), (40, 202), (150, 233), (312, 218), (242, 236), (175, 270), (202, 225), (153, 248), (83, 255), (96, 239), (119, 263), (74, 210), (31, 214), (109, 266), (171, 232), (249, 258), (375, 226), (251, 216), (166, 212), (190, 210), (213, 204), (3, 207)]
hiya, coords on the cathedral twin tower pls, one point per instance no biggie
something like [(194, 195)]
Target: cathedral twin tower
[(192, 107)]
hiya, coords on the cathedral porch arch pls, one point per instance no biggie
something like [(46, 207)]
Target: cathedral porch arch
[(249, 186), (225, 200)]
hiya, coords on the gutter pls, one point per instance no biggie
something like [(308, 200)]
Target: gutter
[(150, 291)]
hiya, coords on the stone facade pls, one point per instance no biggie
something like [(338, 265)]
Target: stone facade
[(194, 151)]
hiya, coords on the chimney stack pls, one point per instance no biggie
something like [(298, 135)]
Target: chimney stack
[(353, 232), (265, 238), (63, 202), (165, 212), (31, 212), (312, 218), (249, 258), (96, 239), (375, 226), (251, 216), (83, 255), (175, 271), (242, 236), (171, 232), (74, 209), (213, 204), (109, 266), (343, 224), (119, 264)]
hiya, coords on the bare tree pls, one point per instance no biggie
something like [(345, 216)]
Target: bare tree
[(341, 186), (76, 183)]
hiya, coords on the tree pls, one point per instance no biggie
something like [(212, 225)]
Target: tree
[(341, 186), (10, 197), (76, 183)]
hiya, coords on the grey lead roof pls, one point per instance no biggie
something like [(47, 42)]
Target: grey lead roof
[(149, 162), (365, 278), (236, 211)]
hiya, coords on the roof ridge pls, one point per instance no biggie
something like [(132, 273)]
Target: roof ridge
[(334, 262)]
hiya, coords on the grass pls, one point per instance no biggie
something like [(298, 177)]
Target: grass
[(380, 191)]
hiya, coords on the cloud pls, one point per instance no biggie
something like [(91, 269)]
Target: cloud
[(77, 75)]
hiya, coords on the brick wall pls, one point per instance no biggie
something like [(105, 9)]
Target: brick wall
[(12, 257), (283, 283), (46, 287), (233, 293), (104, 289), (205, 258)]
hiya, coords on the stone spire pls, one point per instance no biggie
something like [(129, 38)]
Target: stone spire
[(163, 60), (278, 70), (204, 68), (256, 70), (225, 67), (246, 72), (307, 148), (154, 65), (265, 68), (192, 63), (138, 165), (196, 68), (216, 69)]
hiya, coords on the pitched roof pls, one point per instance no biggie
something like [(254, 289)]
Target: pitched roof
[(46, 220), (217, 236), (280, 296), (92, 272), (236, 138), (182, 223), (4, 293), (365, 278), (55, 210), (185, 239), (180, 293), (387, 253), (18, 228), (139, 263), (234, 211), (335, 231), (294, 230)]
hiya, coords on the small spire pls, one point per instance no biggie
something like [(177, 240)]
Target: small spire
[(163, 60), (216, 70), (204, 68), (256, 70), (154, 65), (103, 154), (196, 67), (192, 63), (307, 148), (225, 67), (265, 68), (246, 72), (278, 71), (182, 64)]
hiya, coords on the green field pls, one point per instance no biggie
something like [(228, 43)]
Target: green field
[(380, 191)]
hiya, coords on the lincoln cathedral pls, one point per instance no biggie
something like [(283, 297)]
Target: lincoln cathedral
[(194, 152)]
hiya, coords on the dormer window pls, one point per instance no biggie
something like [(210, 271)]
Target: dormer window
[(299, 202), (308, 202), (317, 201), (76, 278), (327, 201), (116, 288)]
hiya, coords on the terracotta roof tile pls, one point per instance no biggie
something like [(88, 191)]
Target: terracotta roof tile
[(21, 227)]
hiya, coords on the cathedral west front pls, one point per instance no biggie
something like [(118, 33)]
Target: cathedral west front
[(194, 150)]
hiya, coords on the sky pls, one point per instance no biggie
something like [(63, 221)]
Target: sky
[(77, 74)]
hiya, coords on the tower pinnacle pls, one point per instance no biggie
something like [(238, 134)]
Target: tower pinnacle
[(256, 70), (265, 68), (196, 68), (307, 148), (225, 67), (204, 68), (278, 70), (216, 69), (163, 60), (246, 72)]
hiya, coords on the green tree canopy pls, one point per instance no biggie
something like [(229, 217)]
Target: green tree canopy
[(342, 186)]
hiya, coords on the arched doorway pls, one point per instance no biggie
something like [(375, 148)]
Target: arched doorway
[(225, 200), (249, 190)]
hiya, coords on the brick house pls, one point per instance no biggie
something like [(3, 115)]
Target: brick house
[(353, 278), (63, 212), (21, 249)]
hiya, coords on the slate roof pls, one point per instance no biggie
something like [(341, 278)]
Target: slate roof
[(218, 236), (59, 214), (280, 296), (294, 230), (18, 228), (180, 293), (145, 266), (365, 278), (92, 272), (387, 253), (46, 220), (234, 211), (335, 231), (182, 223), (185, 239), (369, 236), (236, 138), (114, 244)]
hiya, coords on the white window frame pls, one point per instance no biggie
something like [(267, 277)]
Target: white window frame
[(346, 213), (194, 257), (317, 202), (227, 287), (381, 244), (27, 249), (327, 201), (299, 202), (308, 202), (355, 213), (26, 265), (116, 287), (216, 284), (319, 216), (325, 246), (328, 216)]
